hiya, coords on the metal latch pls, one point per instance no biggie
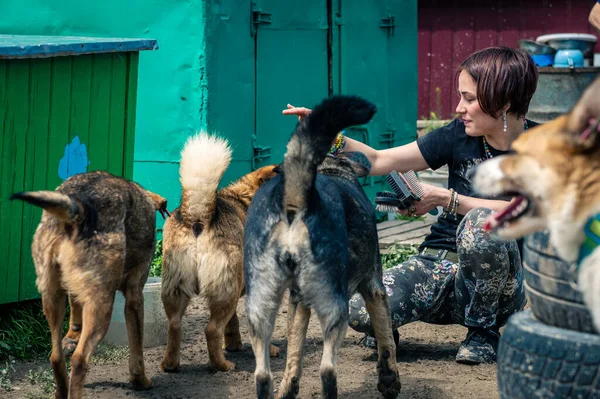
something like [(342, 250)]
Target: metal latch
[(258, 17), (388, 23), (260, 153), (387, 137)]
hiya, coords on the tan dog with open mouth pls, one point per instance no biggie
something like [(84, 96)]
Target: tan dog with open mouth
[(554, 175)]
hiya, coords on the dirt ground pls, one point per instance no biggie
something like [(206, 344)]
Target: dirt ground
[(425, 358)]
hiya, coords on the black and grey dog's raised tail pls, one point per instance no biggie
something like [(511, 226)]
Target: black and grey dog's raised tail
[(312, 140)]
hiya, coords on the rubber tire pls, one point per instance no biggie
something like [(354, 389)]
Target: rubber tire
[(549, 290), (539, 361)]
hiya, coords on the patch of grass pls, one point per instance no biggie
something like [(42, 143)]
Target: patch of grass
[(397, 253), (5, 381), (24, 331), (109, 354), (400, 216), (43, 378), (156, 266)]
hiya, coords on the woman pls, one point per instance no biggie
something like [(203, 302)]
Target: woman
[(461, 274)]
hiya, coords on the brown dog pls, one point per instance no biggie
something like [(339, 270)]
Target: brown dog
[(203, 247), (96, 236), (555, 175)]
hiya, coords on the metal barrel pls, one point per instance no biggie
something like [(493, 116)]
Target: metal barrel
[(558, 90)]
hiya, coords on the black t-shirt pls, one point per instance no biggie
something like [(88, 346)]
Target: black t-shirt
[(450, 145)]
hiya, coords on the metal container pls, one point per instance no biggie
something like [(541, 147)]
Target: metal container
[(558, 90)]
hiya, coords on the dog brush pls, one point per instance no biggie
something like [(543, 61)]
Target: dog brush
[(407, 190)]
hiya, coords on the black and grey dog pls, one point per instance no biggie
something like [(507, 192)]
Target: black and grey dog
[(312, 229)]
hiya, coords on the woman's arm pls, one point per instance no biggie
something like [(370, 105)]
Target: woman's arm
[(435, 196), (401, 159)]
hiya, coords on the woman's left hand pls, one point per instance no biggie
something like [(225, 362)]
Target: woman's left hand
[(433, 197)]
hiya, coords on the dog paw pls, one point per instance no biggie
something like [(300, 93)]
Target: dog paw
[(141, 383), (290, 389), (225, 366), (69, 345), (169, 367), (389, 381), (274, 351)]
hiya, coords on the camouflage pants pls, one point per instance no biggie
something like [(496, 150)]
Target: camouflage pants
[(482, 290)]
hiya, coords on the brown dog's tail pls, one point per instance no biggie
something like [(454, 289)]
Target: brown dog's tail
[(204, 159), (61, 206), (312, 140)]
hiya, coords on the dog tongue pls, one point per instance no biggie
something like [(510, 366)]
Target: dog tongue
[(497, 219)]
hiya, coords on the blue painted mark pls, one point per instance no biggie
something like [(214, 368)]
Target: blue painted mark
[(74, 161)]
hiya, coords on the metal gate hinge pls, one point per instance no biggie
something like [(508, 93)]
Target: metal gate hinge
[(388, 23), (258, 18), (260, 153)]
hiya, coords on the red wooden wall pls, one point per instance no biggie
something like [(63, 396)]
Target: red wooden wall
[(452, 29)]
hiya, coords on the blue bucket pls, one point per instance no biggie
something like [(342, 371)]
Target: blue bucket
[(543, 60)]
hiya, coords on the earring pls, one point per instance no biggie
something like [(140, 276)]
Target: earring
[(504, 120)]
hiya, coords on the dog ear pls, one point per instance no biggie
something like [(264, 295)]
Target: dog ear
[(359, 162), (582, 123)]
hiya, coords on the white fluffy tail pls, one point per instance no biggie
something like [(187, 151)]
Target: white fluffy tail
[(204, 160)]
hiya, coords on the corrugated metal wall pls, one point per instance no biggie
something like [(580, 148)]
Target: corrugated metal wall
[(452, 29)]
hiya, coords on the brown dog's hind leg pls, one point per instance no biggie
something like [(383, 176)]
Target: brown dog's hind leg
[(96, 319), (54, 304), (134, 317), (220, 315), (377, 305), (175, 305), (69, 342), (233, 338), (298, 318)]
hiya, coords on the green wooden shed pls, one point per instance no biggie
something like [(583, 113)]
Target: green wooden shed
[(67, 105)]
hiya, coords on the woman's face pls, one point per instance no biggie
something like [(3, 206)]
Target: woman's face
[(477, 123)]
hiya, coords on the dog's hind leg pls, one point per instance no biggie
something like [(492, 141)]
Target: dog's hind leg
[(96, 319), (262, 304), (220, 314), (378, 306), (69, 342), (54, 303), (134, 317), (175, 305), (298, 318), (233, 338), (333, 315)]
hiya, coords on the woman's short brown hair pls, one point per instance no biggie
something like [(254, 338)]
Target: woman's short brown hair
[(503, 76)]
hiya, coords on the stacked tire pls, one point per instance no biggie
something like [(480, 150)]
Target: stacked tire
[(552, 349)]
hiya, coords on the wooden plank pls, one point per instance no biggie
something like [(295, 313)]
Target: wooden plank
[(391, 223), (17, 118), (29, 46), (132, 81), (81, 102), (118, 93), (7, 294), (60, 114), (415, 236), (37, 155), (425, 17), (98, 148), (404, 229), (442, 73)]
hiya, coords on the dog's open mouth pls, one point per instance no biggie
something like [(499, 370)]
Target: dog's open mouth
[(520, 206)]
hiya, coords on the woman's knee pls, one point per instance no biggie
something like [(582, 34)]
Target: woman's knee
[(359, 319)]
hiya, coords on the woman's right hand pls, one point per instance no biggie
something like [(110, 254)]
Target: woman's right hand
[(300, 112)]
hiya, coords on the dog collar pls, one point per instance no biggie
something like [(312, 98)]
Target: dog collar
[(592, 238)]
